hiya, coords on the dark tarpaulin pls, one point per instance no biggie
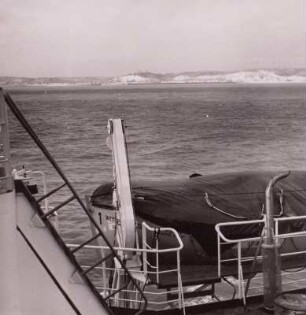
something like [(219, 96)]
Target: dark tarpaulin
[(195, 205)]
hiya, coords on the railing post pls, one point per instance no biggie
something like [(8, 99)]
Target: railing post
[(144, 246), (239, 270), (157, 260), (219, 255), (270, 251)]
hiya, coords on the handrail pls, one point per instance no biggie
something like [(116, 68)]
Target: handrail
[(163, 229), (239, 259), (154, 269), (127, 249), (269, 209), (226, 239), (145, 226)]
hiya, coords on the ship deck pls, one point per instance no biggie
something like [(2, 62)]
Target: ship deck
[(206, 274)]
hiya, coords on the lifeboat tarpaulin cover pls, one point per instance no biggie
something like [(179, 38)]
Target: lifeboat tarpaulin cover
[(195, 205)]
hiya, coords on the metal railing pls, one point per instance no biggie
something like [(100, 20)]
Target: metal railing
[(28, 175), (146, 270), (47, 215), (240, 244)]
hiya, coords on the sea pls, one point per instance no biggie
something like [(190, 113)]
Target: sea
[(172, 131)]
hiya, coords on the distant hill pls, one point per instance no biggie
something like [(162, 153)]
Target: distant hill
[(54, 81), (249, 76)]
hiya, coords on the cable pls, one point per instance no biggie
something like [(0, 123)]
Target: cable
[(222, 211)]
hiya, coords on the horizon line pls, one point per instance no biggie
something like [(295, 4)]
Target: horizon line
[(159, 73)]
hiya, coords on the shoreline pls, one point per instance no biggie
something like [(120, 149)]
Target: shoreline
[(153, 85)]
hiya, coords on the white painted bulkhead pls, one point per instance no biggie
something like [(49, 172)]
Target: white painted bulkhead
[(9, 274), (26, 286)]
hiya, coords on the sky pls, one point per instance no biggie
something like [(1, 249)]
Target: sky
[(48, 38)]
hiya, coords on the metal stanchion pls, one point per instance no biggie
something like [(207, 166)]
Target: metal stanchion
[(270, 250)]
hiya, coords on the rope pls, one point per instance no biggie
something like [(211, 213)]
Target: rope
[(254, 192), (222, 211)]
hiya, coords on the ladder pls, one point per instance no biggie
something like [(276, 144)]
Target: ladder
[(45, 217)]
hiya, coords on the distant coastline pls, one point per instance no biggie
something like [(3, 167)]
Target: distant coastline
[(264, 76)]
